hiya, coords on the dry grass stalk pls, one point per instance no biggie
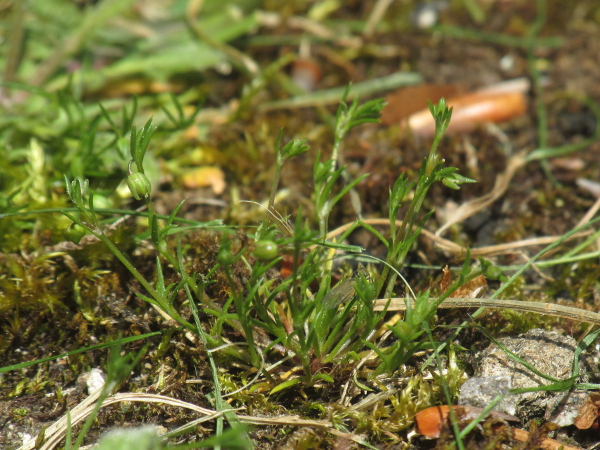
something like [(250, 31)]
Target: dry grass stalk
[(549, 309)]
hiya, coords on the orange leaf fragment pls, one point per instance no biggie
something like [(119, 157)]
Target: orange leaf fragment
[(471, 289), (446, 279), (404, 102), (430, 421), (306, 73), (495, 103), (471, 110)]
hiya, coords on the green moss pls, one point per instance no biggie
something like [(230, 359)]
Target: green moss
[(20, 412)]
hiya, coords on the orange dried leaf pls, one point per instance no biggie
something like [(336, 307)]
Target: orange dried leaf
[(472, 110), (407, 101), (429, 422), (495, 103), (472, 288), (306, 73), (287, 266)]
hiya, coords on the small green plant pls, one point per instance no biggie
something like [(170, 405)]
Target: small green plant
[(432, 170), (316, 326), (327, 173), (312, 325), (410, 330)]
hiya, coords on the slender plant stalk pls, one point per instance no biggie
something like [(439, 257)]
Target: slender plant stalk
[(237, 58)]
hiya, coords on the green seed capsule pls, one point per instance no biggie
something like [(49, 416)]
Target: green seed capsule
[(266, 250), (139, 185), (75, 233), (494, 273)]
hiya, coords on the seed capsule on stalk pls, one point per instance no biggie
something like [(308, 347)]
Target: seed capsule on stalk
[(75, 233), (139, 185)]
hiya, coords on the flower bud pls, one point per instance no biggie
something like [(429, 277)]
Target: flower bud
[(139, 185)]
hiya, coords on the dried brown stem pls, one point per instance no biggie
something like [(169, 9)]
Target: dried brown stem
[(549, 309), (445, 244)]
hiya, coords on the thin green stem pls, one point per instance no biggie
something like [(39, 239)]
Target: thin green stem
[(243, 317), (277, 176), (213, 367), (496, 38), (536, 77), (453, 418), (399, 251), (162, 302)]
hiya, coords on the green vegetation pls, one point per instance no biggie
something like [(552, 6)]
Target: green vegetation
[(158, 222)]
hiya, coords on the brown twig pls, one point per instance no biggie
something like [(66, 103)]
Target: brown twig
[(445, 244)]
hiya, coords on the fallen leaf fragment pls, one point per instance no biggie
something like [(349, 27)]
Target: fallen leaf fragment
[(203, 177), (495, 103), (306, 73), (470, 111), (287, 266), (446, 279), (404, 102), (589, 412), (471, 289), (430, 421)]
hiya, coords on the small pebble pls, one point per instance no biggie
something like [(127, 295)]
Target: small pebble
[(94, 380)]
